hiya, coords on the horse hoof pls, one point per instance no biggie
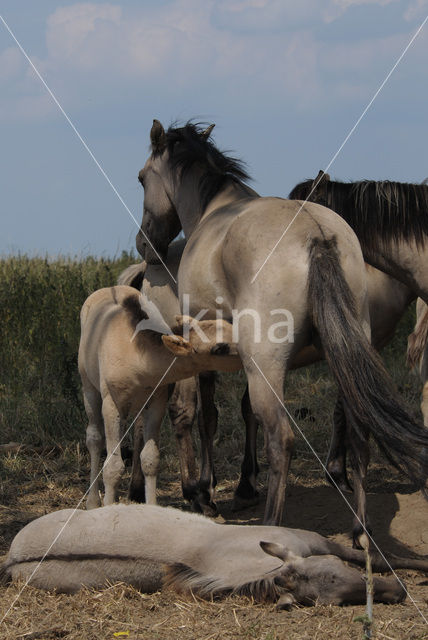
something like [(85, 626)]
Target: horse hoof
[(339, 480), (239, 503), (207, 509)]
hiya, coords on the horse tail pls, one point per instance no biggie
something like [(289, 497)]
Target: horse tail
[(366, 388), (133, 275), (417, 340)]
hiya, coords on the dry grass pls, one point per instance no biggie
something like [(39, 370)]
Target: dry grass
[(59, 482), (37, 407)]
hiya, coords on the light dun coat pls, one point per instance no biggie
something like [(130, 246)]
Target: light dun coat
[(122, 367), (317, 273), (145, 545)]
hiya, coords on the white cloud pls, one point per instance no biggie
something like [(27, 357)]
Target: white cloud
[(180, 46), (82, 34)]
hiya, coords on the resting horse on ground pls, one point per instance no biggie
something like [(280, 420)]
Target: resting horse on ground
[(316, 275), (147, 546), (124, 364)]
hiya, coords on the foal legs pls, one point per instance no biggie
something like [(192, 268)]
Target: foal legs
[(149, 457), (94, 441), (207, 424), (137, 491), (182, 411), (113, 465)]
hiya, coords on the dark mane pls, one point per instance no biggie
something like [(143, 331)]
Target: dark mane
[(377, 211), (187, 147)]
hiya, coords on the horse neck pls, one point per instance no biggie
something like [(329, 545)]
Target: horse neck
[(189, 205)]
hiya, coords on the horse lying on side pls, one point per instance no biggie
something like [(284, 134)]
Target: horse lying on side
[(148, 546), (125, 361)]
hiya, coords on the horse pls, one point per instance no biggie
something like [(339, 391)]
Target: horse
[(125, 363), (388, 300), (316, 277), (150, 546), (389, 218), (158, 286), (417, 352)]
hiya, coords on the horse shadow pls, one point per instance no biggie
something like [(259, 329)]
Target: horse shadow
[(324, 510)]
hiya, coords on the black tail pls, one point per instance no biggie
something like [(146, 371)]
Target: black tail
[(366, 387)]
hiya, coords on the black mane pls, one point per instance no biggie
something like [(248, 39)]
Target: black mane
[(187, 147), (377, 211)]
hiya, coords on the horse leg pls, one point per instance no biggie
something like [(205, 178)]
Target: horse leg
[(265, 384), (246, 494), (149, 456), (137, 490), (360, 456), (94, 441), (182, 411), (423, 370), (336, 459), (113, 465), (207, 424)]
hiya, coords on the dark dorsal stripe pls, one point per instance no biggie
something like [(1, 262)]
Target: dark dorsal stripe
[(377, 211)]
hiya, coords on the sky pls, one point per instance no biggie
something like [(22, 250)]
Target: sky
[(284, 81)]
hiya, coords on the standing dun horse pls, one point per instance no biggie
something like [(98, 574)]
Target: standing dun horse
[(391, 222), (389, 218), (316, 274)]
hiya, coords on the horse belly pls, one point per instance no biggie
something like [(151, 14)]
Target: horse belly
[(68, 576)]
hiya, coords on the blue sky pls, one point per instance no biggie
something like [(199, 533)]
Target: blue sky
[(283, 80)]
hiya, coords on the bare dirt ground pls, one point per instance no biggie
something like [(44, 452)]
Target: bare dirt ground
[(399, 517)]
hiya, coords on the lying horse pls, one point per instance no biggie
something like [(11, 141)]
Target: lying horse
[(124, 364), (316, 274), (146, 546)]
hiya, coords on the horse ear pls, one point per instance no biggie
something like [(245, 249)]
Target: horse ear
[(206, 134), (157, 137), (276, 550), (177, 345), (320, 179)]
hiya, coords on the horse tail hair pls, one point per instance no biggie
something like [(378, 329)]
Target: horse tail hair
[(366, 388), (133, 275), (417, 341)]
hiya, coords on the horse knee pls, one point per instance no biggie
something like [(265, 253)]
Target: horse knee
[(94, 439), (149, 458)]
